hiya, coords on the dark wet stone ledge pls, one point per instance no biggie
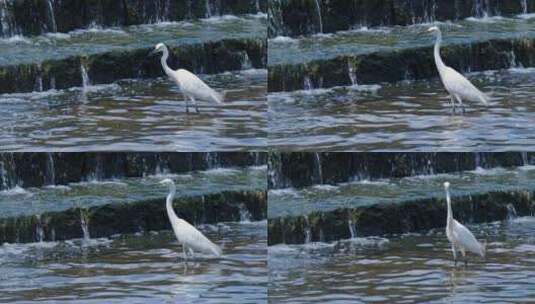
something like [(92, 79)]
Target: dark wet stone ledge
[(150, 215), (302, 169), (104, 68), (404, 64), (34, 17), (300, 17), (37, 169), (385, 219)]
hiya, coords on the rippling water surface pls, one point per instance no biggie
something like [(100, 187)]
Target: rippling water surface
[(144, 268), (141, 115), (408, 116), (408, 269)]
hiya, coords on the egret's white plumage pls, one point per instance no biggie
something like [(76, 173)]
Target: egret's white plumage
[(456, 84), (461, 239), (187, 235), (190, 85)]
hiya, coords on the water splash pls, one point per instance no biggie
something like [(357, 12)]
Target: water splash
[(245, 215), (320, 20)]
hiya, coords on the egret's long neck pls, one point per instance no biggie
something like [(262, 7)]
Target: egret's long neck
[(450, 212), (163, 60), (438, 60), (169, 201)]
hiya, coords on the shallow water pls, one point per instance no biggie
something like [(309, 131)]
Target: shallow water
[(145, 268), (407, 269), (27, 201), (141, 115), (284, 50), (408, 116), (358, 193)]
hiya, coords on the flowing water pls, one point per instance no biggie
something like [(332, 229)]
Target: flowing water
[(26, 201), (410, 268), (408, 116), (141, 268), (137, 115), (295, 202)]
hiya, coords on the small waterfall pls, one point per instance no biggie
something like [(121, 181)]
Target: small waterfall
[(308, 231), (8, 177), (54, 27), (307, 83), (511, 57), (7, 19), (211, 160), (318, 172), (50, 175), (39, 232), (524, 4), (86, 82), (352, 228), (525, 159), (511, 212), (259, 10), (39, 79), (246, 63), (430, 12), (352, 74), (245, 215), (208, 9), (84, 222), (482, 8), (320, 20)]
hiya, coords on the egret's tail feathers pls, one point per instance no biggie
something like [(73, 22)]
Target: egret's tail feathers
[(484, 98), (218, 97), (216, 250)]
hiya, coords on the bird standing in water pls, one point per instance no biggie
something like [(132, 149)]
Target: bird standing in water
[(189, 84), (460, 237), (456, 84), (187, 235)]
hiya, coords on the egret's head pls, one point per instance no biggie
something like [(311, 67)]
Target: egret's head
[(167, 182), (433, 29), (160, 47), (446, 185)]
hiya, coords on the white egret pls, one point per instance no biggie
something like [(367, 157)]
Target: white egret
[(456, 84), (460, 237), (187, 235), (191, 86)]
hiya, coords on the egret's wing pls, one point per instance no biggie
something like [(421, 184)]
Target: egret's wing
[(194, 239), (193, 85), (466, 238), (458, 84)]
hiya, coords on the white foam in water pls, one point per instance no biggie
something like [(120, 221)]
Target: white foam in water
[(220, 19), (486, 19), (221, 171), (492, 171), (17, 190), (325, 187), (15, 39), (286, 191), (283, 39), (526, 16), (366, 88)]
